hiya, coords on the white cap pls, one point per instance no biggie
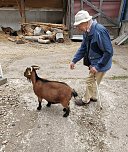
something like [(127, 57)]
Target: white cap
[(81, 17)]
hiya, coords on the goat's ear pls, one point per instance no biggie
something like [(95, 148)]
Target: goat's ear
[(35, 67)]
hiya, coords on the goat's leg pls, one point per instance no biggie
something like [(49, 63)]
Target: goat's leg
[(39, 107), (66, 109), (49, 104)]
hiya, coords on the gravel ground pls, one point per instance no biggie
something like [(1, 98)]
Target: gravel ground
[(87, 129)]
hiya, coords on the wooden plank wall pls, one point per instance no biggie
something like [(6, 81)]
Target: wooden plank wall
[(34, 3), (8, 3)]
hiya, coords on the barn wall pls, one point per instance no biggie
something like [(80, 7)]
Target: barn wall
[(12, 17), (34, 3), (108, 7), (36, 10), (111, 8)]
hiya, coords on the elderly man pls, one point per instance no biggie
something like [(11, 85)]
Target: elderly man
[(96, 51)]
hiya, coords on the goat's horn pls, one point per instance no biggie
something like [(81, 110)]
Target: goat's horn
[(31, 69), (35, 67)]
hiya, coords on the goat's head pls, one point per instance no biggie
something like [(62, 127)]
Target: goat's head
[(28, 71)]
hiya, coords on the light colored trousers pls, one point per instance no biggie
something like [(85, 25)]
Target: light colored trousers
[(92, 83)]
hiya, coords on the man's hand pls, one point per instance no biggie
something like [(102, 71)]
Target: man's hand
[(93, 70), (72, 65)]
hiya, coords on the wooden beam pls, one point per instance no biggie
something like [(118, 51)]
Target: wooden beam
[(120, 11), (96, 15), (65, 3), (100, 7), (120, 39), (102, 13), (23, 18), (19, 6), (72, 17), (123, 40), (68, 15), (81, 4)]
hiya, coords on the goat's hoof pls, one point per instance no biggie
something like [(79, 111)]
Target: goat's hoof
[(64, 109), (39, 108), (48, 105), (66, 114)]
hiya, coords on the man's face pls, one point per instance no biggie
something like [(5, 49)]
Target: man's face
[(82, 27)]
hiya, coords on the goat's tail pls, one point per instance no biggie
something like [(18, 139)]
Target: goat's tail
[(74, 93)]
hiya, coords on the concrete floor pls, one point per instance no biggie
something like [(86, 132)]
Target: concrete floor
[(87, 129)]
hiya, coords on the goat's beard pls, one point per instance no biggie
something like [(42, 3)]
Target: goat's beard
[(29, 80)]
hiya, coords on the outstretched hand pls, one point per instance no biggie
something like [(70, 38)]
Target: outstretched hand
[(93, 70), (72, 65)]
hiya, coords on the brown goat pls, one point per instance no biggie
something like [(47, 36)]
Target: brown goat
[(52, 91)]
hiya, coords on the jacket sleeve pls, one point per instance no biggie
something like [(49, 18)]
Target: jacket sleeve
[(104, 43), (80, 52)]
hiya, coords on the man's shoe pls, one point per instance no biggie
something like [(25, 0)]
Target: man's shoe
[(80, 103), (93, 100)]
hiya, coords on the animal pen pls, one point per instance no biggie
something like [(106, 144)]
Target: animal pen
[(20, 11), (107, 12)]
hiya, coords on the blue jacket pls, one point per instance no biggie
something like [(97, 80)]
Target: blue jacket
[(101, 50)]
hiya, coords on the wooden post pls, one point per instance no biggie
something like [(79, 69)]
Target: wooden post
[(68, 18), (65, 3), (81, 4), (120, 11), (100, 8), (23, 18), (72, 18), (19, 6)]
